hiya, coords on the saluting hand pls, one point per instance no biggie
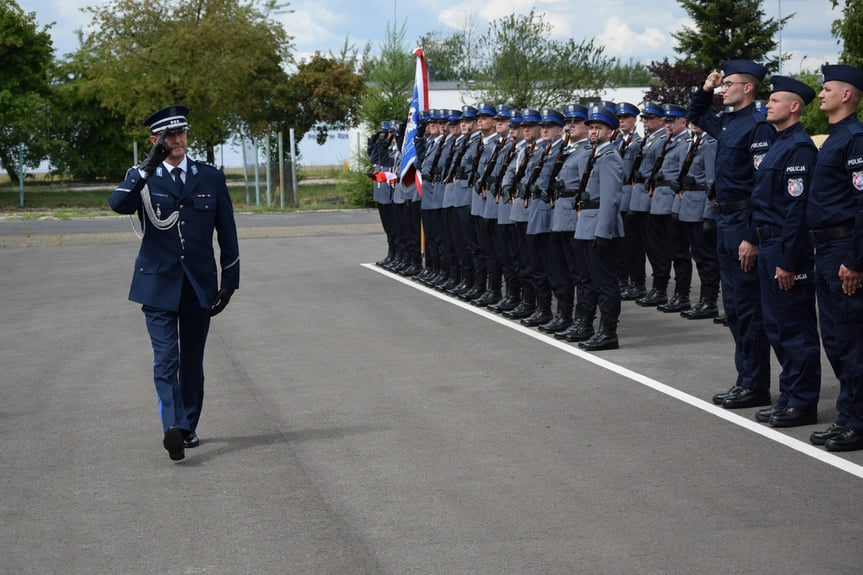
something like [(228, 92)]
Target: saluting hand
[(713, 81), (850, 280)]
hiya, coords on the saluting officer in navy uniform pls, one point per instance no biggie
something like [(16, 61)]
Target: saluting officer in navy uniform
[(382, 192), (632, 274), (835, 218), (640, 200), (743, 137), (565, 220), (664, 223), (697, 217), (180, 203), (786, 258), (600, 227)]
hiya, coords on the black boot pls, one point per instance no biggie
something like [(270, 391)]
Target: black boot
[(525, 308), (678, 302), (491, 296), (542, 313), (653, 298), (465, 285), (452, 280), (561, 321), (580, 330), (706, 307), (605, 338), (414, 265), (479, 287), (633, 292), (387, 260), (509, 301)]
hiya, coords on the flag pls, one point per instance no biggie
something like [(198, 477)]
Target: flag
[(419, 102)]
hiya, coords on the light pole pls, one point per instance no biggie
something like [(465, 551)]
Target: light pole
[(801, 64)]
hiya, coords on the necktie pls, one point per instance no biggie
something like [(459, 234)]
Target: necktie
[(178, 180)]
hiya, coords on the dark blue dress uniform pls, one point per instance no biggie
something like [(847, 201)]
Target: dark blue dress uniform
[(782, 187), (835, 219), (176, 277), (743, 137)]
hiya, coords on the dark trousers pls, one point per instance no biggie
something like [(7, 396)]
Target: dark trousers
[(632, 247), (657, 245), (559, 275), (432, 249), (178, 339), (387, 215), (841, 318), (487, 234), (537, 244), (576, 262), (681, 256), (792, 327), (603, 291), (525, 268), (506, 246), (703, 248)]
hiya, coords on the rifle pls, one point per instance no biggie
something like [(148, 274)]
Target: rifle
[(555, 170), (535, 174), (490, 166), (636, 164), (450, 176), (626, 143), (506, 162), (687, 162), (437, 159), (582, 185), (522, 167), (651, 181), (479, 148)]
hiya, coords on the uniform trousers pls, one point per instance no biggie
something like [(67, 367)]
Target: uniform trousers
[(632, 249), (841, 319), (741, 298), (506, 248), (601, 289), (555, 259), (537, 249), (681, 255), (178, 339), (525, 266), (792, 327), (657, 245), (702, 246), (432, 249), (579, 275), (387, 215), (486, 233)]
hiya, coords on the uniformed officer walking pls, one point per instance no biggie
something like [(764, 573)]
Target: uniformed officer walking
[(180, 203), (835, 218)]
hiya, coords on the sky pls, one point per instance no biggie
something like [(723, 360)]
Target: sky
[(628, 29)]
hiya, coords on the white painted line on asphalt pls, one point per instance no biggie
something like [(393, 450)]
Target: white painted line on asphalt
[(748, 424)]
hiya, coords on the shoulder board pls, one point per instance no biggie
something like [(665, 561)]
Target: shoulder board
[(801, 138), (856, 128), (208, 164)]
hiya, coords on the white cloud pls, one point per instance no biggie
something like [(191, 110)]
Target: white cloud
[(619, 39)]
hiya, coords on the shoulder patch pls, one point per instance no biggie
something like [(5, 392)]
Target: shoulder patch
[(857, 181), (795, 187)]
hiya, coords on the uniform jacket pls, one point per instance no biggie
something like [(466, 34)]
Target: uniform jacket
[(663, 198), (628, 148), (563, 219), (694, 206), (603, 185), (186, 247), (651, 148)]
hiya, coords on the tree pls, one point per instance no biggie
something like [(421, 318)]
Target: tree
[(222, 58), (676, 81), (726, 30), (452, 58), (849, 30), (520, 63), (632, 73), (390, 77), (25, 61)]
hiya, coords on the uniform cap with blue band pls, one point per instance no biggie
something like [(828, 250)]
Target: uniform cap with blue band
[(486, 109), (453, 116), (551, 117), (598, 113), (531, 116), (504, 112), (516, 117), (468, 113), (575, 112), (673, 111), (627, 109)]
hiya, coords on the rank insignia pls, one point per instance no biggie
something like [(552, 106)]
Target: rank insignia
[(857, 180), (795, 187)]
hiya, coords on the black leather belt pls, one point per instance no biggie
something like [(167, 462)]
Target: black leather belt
[(767, 232), (695, 188), (567, 194), (588, 205), (730, 207), (827, 234)]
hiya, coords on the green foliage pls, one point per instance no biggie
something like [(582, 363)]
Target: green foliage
[(520, 63), (728, 29), (390, 76), (356, 185), (849, 30), (222, 58), (631, 74), (25, 62)]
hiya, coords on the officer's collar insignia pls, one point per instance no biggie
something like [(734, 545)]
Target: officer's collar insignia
[(159, 171), (194, 170)]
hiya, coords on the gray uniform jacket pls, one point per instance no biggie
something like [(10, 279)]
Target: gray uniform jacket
[(640, 200), (604, 185), (538, 211), (675, 152), (563, 219)]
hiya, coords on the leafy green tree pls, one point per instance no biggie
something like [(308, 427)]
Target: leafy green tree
[(390, 78), (728, 29), (222, 58), (519, 62), (631, 73), (25, 62), (849, 30)]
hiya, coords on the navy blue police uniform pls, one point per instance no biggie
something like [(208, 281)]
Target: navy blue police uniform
[(743, 137), (779, 200), (176, 279), (834, 216)]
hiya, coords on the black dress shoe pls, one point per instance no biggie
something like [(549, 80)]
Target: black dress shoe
[(601, 340), (173, 442), (720, 319), (821, 437), (747, 398), (190, 439), (764, 415), (538, 317), (677, 303), (847, 440), (520, 311), (488, 298), (793, 417), (507, 303), (580, 330), (720, 397), (653, 298), (701, 310)]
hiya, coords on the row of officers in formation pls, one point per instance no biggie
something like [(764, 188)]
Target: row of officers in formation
[(522, 207)]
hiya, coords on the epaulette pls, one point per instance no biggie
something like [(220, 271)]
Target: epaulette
[(856, 129), (801, 138), (210, 165)]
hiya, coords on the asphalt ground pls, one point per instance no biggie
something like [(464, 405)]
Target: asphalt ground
[(356, 422)]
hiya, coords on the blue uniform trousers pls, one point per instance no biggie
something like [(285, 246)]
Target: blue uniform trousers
[(841, 330), (741, 298), (792, 328), (178, 339)]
